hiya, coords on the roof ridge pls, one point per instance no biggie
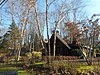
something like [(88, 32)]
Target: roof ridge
[(63, 41)]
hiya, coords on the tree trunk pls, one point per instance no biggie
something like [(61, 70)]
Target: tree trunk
[(18, 56), (24, 23), (47, 27), (38, 24), (54, 47), (55, 33), (30, 46), (19, 51)]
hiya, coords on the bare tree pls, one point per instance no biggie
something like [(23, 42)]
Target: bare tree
[(23, 17), (69, 11), (37, 21), (47, 26)]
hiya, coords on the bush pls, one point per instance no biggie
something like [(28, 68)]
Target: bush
[(34, 57), (37, 54), (97, 50), (34, 54), (29, 54)]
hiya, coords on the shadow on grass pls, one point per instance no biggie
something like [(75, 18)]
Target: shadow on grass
[(11, 70)]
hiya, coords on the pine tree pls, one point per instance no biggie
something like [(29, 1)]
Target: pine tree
[(14, 34), (11, 38), (36, 43), (5, 42)]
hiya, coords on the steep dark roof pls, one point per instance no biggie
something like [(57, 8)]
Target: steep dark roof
[(63, 41)]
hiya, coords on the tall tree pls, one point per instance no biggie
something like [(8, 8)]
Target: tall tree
[(11, 37), (68, 11), (38, 23), (47, 26), (15, 37)]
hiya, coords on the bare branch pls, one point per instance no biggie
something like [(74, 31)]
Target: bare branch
[(51, 3)]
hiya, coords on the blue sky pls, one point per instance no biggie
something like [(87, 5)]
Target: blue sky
[(94, 7)]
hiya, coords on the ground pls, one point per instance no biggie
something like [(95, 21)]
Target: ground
[(67, 65)]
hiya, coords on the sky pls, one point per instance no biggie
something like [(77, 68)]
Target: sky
[(92, 8)]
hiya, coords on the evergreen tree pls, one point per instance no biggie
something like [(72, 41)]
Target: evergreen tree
[(36, 43), (15, 36), (5, 42), (11, 38)]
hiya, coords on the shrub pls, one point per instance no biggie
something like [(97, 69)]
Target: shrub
[(37, 54)]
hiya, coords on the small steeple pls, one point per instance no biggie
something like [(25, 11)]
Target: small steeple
[(57, 31)]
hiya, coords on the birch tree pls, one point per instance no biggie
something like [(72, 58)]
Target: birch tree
[(37, 21), (22, 15), (14, 33)]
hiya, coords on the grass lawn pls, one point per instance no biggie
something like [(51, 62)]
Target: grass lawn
[(7, 68), (21, 72), (70, 67), (12, 67), (85, 68)]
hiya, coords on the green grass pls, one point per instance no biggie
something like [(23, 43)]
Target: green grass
[(6, 68), (21, 72), (40, 63), (85, 68)]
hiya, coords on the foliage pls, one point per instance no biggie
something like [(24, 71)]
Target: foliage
[(21, 72), (5, 42), (37, 54), (65, 67), (11, 38), (40, 63), (85, 68), (7, 68), (29, 54), (15, 36), (4, 68), (72, 29), (97, 50), (34, 56), (71, 68), (37, 44)]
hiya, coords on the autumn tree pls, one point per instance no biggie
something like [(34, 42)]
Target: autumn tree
[(74, 19), (67, 11), (73, 31)]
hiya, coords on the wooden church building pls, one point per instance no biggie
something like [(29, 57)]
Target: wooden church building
[(62, 47)]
